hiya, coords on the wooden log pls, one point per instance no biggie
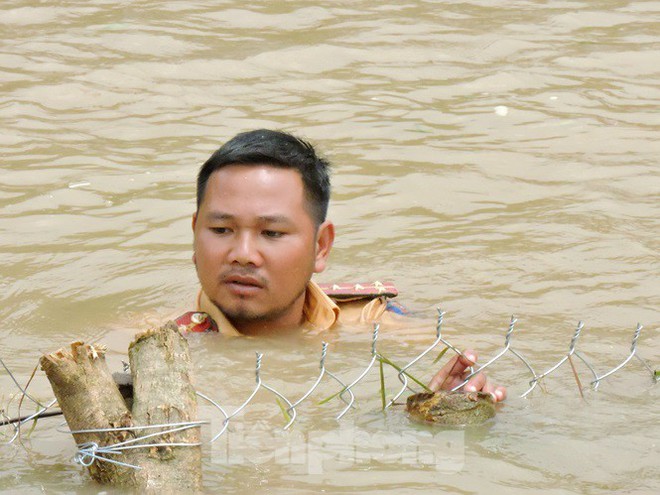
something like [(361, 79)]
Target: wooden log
[(89, 399), (163, 393)]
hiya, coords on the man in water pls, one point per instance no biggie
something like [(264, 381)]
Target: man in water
[(260, 232)]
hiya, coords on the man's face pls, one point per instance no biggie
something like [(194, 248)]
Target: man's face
[(256, 246)]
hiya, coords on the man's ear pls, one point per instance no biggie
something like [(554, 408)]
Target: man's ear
[(325, 237), (194, 222)]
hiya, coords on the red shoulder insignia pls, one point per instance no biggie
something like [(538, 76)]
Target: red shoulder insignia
[(196, 321), (364, 290)]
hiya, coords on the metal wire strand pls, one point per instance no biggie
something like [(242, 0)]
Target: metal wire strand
[(324, 352), (17, 426), (633, 350), (225, 422), (259, 385), (507, 345), (323, 371), (23, 391), (403, 378), (89, 452), (374, 356), (571, 351)]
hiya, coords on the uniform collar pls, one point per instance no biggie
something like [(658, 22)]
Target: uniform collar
[(319, 311)]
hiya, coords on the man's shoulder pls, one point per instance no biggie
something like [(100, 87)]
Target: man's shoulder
[(365, 302), (196, 321), (361, 291)]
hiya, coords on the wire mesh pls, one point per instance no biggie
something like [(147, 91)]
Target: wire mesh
[(88, 453)]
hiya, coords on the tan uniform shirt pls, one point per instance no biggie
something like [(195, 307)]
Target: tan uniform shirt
[(320, 312)]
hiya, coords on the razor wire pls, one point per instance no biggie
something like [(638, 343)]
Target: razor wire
[(90, 452)]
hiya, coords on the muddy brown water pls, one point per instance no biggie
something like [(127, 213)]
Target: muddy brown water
[(490, 158)]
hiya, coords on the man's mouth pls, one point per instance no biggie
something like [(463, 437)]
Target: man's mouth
[(243, 285)]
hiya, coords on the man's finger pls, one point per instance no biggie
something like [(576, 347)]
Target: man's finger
[(476, 383), (451, 373), (498, 392)]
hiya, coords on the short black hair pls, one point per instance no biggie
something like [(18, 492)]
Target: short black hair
[(278, 149)]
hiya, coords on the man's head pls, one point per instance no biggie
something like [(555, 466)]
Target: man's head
[(278, 149), (260, 229)]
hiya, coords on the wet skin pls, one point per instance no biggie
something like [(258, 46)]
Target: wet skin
[(256, 246)]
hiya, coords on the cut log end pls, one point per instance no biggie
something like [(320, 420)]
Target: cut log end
[(163, 393)]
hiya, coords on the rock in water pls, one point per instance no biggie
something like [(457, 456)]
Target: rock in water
[(451, 408)]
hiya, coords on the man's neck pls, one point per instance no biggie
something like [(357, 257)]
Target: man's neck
[(289, 322), (265, 329), (321, 314)]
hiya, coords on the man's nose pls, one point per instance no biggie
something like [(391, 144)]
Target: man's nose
[(245, 251)]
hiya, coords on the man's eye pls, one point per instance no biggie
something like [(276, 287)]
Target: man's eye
[(220, 230), (273, 234)]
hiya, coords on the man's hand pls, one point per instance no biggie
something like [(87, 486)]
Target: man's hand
[(455, 371)]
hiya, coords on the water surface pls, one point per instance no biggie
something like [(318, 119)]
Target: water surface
[(488, 159)]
